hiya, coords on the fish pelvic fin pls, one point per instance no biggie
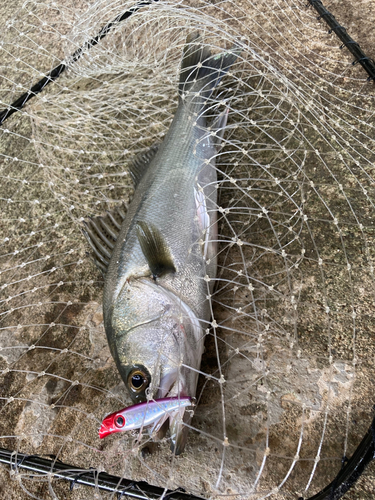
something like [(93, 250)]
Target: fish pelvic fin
[(201, 71), (178, 431), (155, 249), (101, 234), (140, 163)]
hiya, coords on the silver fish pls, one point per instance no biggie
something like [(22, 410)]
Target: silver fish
[(159, 258)]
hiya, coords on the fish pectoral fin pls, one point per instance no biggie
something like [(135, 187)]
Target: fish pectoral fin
[(140, 163), (155, 249), (101, 233)]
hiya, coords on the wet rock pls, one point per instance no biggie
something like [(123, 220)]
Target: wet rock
[(38, 415), (10, 347)]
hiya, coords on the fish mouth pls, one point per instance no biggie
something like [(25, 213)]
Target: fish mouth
[(107, 427)]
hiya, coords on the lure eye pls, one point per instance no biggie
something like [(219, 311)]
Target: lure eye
[(119, 421), (138, 381)]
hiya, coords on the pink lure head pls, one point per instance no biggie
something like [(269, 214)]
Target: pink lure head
[(115, 422)]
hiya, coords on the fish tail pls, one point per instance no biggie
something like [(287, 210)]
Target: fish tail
[(201, 71)]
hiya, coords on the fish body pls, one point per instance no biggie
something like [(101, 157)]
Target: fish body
[(161, 266), (150, 413)]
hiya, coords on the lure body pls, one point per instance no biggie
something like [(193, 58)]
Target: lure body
[(142, 415)]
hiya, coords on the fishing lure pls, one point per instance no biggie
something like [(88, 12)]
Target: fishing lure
[(153, 413)]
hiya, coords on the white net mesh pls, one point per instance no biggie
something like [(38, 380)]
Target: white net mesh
[(287, 383)]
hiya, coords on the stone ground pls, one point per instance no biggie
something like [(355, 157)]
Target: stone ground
[(60, 414)]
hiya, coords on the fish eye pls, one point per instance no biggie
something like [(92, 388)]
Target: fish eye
[(119, 421), (138, 380)]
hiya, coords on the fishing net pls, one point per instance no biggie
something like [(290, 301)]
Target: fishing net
[(287, 378)]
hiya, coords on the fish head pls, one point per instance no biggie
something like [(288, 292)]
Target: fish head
[(115, 422), (157, 342), (160, 372), (151, 361)]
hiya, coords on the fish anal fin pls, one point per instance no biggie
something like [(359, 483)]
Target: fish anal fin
[(203, 217), (140, 163), (218, 127), (155, 249), (101, 233)]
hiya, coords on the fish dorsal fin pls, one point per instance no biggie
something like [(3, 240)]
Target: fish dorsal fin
[(101, 233), (140, 163), (155, 249)]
